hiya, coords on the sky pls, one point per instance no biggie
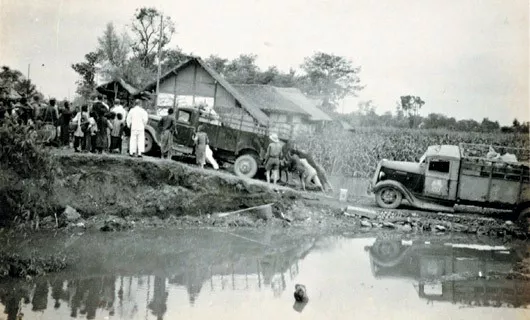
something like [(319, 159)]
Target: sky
[(464, 58)]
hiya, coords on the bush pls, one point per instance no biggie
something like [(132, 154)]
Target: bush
[(356, 154), (26, 174)]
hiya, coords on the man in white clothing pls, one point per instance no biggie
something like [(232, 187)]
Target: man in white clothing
[(136, 120), (118, 108)]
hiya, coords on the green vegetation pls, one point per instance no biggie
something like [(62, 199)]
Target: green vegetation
[(26, 175), (356, 154)]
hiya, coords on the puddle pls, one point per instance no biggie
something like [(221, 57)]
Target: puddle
[(206, 274)]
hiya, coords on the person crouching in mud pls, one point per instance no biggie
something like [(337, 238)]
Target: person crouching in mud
[(308, 174), (272, 159), (201, 141)]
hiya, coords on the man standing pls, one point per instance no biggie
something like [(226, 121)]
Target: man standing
[(118, 108), (136, 121), (49, 118), (167, 126), (64, 121), (272, 159)]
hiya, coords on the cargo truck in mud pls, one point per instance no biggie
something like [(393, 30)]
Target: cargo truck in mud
[(449, 175), (232, 140)]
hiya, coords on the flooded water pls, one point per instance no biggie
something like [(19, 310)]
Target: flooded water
[(203, 274)]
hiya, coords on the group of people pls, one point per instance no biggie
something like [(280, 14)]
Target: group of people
[(96, 127), (285, 157)]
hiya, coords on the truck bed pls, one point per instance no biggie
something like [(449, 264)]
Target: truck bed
[(493, 182)]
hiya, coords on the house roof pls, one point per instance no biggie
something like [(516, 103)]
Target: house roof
[(308, 105), (109, 86), (249, 106), (269, 98)]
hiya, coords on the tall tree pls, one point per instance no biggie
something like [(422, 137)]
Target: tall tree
[(242, 69), (146, 27), (87, 71), (330, 78), (217, 63), (411, 105), (112, 47), (172, 58), (14, 79)]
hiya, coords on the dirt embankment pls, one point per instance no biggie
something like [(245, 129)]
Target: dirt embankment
[(124, 186), (112, 193)]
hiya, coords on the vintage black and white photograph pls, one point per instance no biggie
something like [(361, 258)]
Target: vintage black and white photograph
[(264, 159)]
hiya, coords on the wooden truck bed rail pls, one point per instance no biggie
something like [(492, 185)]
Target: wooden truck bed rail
[(480, 151)]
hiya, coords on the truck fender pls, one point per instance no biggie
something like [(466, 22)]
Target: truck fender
[(152, 131), (404, 191), (245, 144)]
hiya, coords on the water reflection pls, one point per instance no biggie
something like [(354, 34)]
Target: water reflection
[(95, 296), (466, 274), (247, 274)]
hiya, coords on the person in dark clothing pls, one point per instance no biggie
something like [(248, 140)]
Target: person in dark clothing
[(99, 108), (65, 118), (49, 121), (24, 112), (102, 138), (167, 127)]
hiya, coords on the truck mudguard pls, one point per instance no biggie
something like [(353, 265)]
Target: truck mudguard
[(392, 183), (152, 131)]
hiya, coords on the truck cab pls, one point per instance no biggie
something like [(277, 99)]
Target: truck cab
[(449, 174)]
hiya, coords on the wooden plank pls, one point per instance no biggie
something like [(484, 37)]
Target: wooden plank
[(194, 84), (215, 94)]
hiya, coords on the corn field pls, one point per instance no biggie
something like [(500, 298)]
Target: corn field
[(356, 154)]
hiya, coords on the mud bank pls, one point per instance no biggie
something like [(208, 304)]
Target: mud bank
[(129, 187)]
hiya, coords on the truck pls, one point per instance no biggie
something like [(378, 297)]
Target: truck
[(449, 175), (233, 140)]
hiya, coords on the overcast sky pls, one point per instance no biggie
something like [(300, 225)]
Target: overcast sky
[(465, 58)]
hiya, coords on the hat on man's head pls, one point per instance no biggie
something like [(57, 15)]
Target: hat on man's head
[(274, 137)]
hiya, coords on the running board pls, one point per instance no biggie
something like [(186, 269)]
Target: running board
[(431, 206)]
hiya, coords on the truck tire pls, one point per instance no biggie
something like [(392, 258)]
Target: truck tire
[(246, 166), (388, 197), (149, 143)]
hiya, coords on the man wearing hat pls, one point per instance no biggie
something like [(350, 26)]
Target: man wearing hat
[(272, 159), (136, 120)]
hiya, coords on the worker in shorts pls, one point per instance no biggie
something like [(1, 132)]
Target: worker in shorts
[(272, 159)]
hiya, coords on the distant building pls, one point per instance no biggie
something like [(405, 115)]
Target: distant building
[(287, 108), (282, 110)]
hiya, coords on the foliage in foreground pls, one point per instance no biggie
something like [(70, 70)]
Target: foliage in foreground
[(26, 174), (356, 154)]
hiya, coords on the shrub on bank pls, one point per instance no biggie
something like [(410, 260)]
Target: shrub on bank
[(26, 175), (356, 154)]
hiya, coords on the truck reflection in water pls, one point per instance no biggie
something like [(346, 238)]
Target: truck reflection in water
[(472, 275)]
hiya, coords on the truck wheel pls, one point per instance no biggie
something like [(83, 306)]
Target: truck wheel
[(388, 198), (386, 250), (149, 142), (246, 166)]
